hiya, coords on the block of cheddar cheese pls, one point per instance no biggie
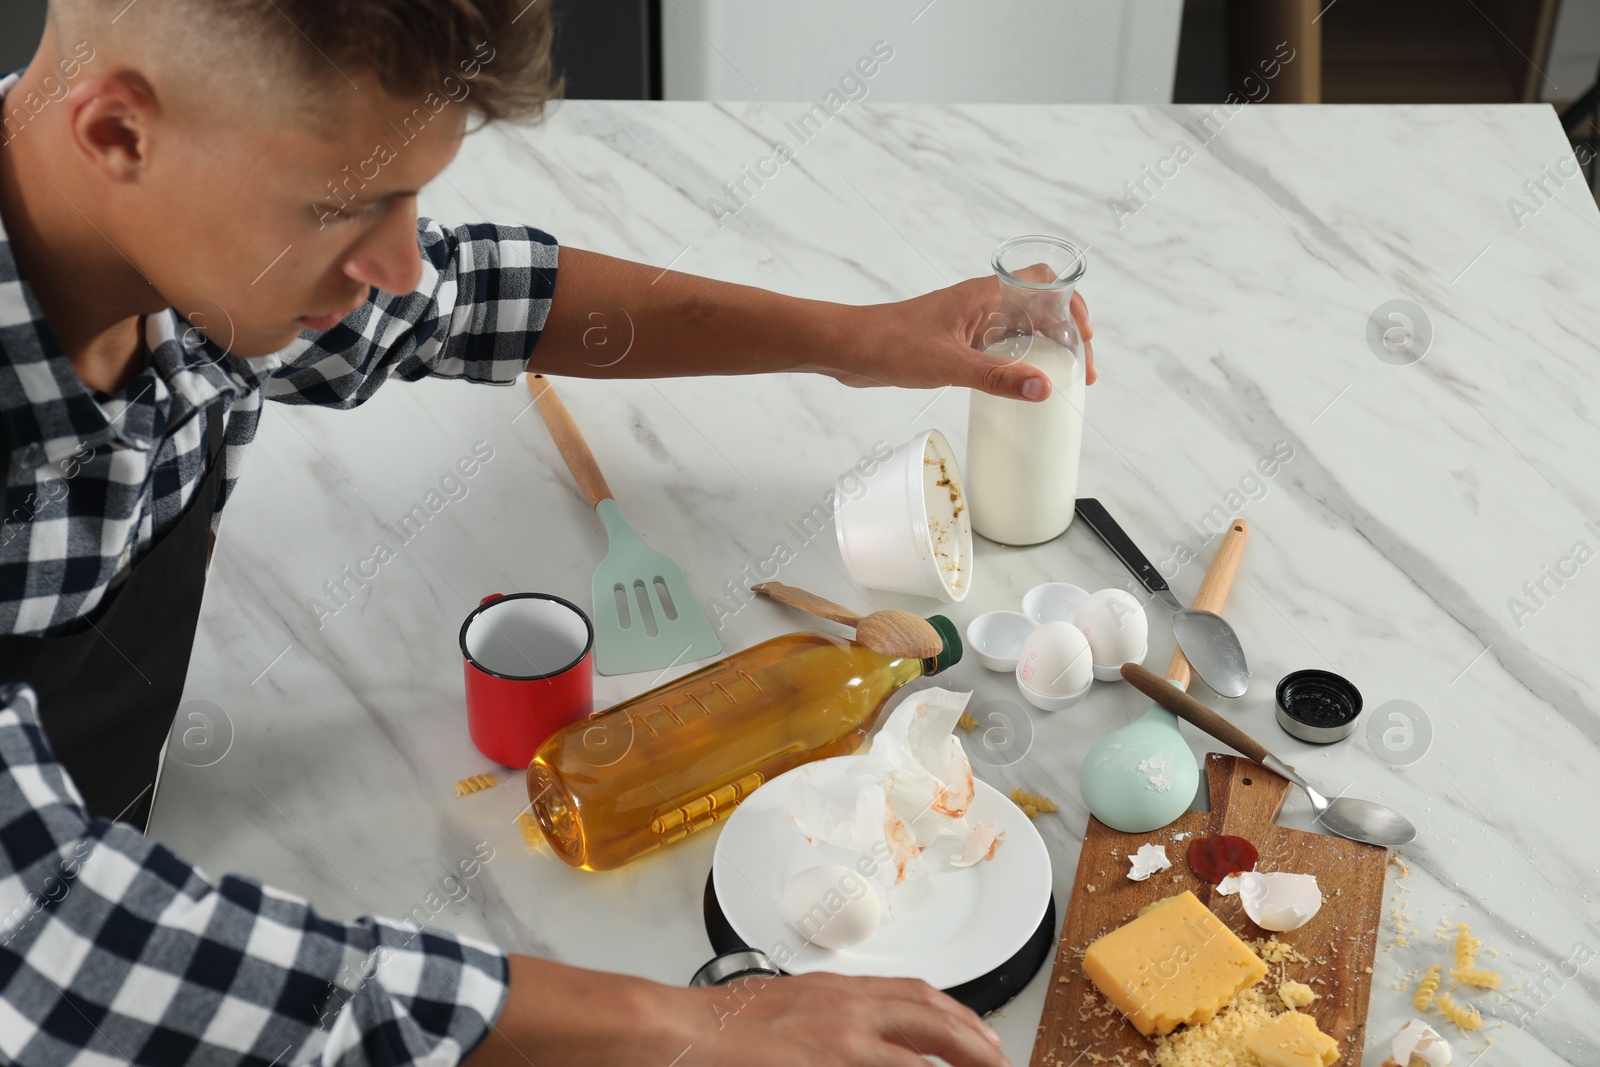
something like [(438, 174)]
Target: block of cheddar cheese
[(1175, 964), (1292, 1040)]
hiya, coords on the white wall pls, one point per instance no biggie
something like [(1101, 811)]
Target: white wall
[(1574, 50), (949, 51)]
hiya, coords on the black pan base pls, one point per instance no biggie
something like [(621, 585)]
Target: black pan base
[(983, 994)]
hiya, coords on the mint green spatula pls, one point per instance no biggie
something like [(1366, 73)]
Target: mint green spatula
[(646, 617)]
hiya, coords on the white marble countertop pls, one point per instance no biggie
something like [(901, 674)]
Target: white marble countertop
[(1231, 311)]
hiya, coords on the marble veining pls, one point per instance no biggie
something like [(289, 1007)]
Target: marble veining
[(1231, 306)]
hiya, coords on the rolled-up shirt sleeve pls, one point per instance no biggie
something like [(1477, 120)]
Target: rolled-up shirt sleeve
[(477, 314), (115, 950)]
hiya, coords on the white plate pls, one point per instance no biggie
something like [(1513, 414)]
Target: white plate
[(977, 919)]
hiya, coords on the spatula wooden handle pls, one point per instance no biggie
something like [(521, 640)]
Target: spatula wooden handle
[(569, 442), (1213, 592), (807, 602), (1188, 708)]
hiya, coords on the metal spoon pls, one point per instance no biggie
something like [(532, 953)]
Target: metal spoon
[(1359, 820), (1209, 643)]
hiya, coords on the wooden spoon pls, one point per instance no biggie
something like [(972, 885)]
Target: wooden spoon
[(892, 632)]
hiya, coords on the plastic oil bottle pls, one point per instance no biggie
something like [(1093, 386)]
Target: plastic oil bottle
[(654, 769)]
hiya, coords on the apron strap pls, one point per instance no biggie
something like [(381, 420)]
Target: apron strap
[(214, 443), (108, 692)]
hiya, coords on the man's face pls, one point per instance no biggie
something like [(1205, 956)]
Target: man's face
[(257, 231)]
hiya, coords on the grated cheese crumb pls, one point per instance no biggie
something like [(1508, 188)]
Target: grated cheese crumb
[(1220, 1041), (1296, 994), (1274, 951)]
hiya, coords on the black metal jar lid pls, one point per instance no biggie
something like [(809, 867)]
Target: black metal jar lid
[(1318, 706)]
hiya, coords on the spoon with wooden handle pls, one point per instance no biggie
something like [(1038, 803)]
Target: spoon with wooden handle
[(892, 632), (1359, 820)]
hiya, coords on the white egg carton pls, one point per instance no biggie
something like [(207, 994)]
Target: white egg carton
[(1059, 628)]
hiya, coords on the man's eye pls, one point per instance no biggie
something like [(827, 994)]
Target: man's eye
[(355, 214)]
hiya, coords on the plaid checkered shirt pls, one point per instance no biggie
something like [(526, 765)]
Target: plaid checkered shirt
[(112, 949), (115, 951)]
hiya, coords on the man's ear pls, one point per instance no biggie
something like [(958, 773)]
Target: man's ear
[(112, 121)]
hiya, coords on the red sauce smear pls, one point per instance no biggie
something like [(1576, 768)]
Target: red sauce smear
[(1214, 858)]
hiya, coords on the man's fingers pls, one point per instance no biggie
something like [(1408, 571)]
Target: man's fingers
[(1080, 312), (918, 999), (947, 1030), (1004, 375), (1035, 272), (894, 1056)]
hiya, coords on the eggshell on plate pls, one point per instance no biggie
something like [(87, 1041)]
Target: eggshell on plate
[(831, 906)]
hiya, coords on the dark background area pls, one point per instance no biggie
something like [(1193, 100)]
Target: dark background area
[(21, 25), (1378, 51), (1354, 51), (609, 49)]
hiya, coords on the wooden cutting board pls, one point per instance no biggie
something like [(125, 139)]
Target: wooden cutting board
[(1245, 801)]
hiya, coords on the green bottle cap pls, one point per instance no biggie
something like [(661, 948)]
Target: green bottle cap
[(951, 655)]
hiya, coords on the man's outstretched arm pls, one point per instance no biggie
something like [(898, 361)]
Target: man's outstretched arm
[(612, 318)]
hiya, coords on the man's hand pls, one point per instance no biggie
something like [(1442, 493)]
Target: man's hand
[(557, 1014), (827, 1018), (929, 341)]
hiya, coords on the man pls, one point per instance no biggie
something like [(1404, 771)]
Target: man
[(208, 203)]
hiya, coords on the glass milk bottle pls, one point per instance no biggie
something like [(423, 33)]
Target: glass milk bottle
[(1022, 455)]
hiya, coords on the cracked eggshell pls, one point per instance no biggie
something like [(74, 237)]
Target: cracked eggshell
[(1147, 861), (1278, 901), (1417, 1041), (981, 844), (1114, 623)]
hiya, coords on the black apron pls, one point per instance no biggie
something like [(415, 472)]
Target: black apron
[(108, 694)]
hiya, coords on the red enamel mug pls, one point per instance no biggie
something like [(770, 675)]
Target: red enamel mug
[(529, 662)]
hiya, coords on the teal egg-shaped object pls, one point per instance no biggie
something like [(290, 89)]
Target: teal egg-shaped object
[(1141, 777)]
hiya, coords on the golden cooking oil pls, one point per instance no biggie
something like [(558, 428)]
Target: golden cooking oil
[(655, 769)]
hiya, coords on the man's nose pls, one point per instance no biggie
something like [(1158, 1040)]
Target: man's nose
[(389, 258)]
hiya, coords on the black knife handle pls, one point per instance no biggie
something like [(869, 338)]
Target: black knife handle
[(1105, 527)]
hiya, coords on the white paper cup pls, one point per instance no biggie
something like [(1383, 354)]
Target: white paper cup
[(905, 527)]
